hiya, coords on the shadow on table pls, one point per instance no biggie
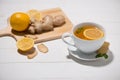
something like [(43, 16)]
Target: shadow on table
[(97, 63)]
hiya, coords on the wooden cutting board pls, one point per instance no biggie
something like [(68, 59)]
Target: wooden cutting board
[(45, 36)]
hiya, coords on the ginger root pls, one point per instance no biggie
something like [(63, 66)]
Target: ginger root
[(58, 20), (31, 29), (38, 27), (46, 24)]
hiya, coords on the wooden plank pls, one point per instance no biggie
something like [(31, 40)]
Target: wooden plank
[(45, 36)]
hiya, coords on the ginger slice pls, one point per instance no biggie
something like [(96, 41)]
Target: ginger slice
[(102, 52), (104, 48), (31, 36), (32, 53), (42, 48)]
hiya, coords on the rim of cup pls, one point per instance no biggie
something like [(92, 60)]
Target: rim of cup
[(88, 23)]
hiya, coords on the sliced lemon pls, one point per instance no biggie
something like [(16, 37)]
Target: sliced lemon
[(34, 14), (93, 34), (25, 44)]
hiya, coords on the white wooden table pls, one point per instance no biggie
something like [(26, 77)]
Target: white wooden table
[(55, 65)]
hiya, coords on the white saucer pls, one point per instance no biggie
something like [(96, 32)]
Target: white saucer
[(80, 55)]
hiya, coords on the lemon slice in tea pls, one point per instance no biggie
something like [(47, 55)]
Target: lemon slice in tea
[(93, 34)]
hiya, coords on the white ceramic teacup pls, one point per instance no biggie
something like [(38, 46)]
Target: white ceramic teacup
[(86, 46)]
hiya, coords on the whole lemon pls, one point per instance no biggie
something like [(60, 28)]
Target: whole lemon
[(19, 21)]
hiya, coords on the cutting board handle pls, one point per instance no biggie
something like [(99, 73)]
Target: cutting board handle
[(5, 32)]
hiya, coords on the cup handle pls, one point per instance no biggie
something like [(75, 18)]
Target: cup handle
[(67, 35)]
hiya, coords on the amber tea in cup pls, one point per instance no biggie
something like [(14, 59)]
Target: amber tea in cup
[(89, 32)]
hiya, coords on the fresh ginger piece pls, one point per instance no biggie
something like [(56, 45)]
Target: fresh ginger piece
[(34, 37), (32, 54), (104, 48), (102, 52), (42, 48)]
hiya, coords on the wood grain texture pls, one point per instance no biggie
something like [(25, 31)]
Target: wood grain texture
[(45, 36)]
